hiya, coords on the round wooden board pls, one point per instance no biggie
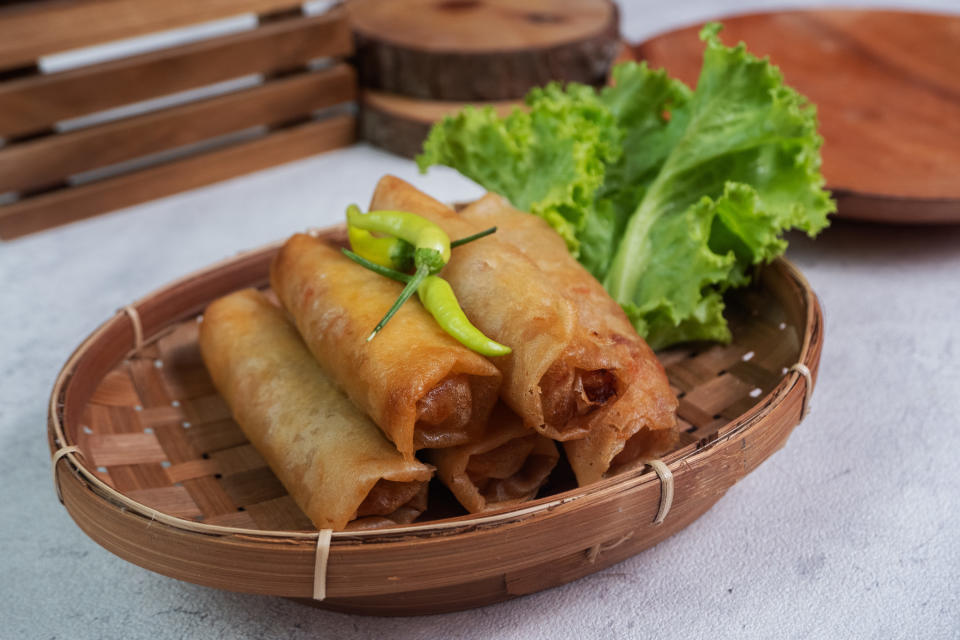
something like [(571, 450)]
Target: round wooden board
[(164, 478), (887, 89), (400, 124), (459, 50)]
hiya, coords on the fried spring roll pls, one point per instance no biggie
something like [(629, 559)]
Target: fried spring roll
[(331, 458), (506, 465), (638, 422), (422, 387), (566, 370)]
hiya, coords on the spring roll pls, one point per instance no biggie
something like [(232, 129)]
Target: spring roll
[(423, 388), (331, 458), (640, 422), (505, 466), (563, 374)]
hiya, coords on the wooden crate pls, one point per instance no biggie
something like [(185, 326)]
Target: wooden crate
[(298, 103)]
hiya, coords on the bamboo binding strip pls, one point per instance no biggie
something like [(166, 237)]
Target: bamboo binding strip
[(320, 564), (59, 455), (804, 372), (666, 489), (134, 316)]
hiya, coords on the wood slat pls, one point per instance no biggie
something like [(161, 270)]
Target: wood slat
[(238, 459), (48, 160), (71, 204), (124, 448), (202, 410), (215, 436), (129, 477), (192, 469), (209, 496), (117, 389), (173, 500), (35, 103), (153, 394), (31, 30), (253, 486)]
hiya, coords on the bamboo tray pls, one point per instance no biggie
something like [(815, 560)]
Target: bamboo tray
[(150, 465)]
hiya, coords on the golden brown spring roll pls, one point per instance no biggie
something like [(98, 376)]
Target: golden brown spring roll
[(331, 458), (506, 465), (422, 387), (638, 422), (566, 369)]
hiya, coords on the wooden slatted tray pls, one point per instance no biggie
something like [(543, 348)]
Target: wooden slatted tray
[(164, 478), (295, 103)]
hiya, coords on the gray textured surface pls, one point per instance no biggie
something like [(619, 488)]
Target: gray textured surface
[(851, 531)]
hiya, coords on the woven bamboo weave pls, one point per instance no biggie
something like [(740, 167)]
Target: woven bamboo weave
[(165, 478)]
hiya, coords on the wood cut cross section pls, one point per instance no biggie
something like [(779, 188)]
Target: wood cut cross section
[(481, 49)]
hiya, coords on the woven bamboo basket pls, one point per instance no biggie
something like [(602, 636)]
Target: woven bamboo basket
[(150, 465)]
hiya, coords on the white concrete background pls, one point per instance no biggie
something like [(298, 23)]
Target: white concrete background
[(851, 531)]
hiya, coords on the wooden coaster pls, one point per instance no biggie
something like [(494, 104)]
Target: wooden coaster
[(400, 124), (887, 90), (458, 50)]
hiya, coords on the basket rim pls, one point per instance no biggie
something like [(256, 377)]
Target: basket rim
[(448, 526)]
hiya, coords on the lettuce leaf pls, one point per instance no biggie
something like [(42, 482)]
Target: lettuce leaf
[(668, 196), (548, 159)]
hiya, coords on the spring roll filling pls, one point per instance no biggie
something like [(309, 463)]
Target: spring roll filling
[(570, 393), (404, 513), (517, 469), (644, 440), (387, 496), (501, 462), (443, 413)]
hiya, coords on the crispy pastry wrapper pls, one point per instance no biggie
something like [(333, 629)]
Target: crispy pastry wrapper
[(637, 423), (331, 458), (557, 376), (505, 466), (422, 387)]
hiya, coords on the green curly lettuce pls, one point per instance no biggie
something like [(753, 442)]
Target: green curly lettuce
[(668, 196), (548, 159)]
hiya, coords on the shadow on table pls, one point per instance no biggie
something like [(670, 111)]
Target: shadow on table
[(876, 244), (239, 616)]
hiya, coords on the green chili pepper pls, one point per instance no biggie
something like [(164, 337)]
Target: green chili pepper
[(431, 245), (386, 251), (377, 268), (438, 298), (413, 241)]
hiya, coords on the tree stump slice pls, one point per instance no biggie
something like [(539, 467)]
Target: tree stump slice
[(399, 124), (466, 50), (887, 89)]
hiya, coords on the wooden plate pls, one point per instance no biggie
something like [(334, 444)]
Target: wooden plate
[(161, 476), (887, 89)]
